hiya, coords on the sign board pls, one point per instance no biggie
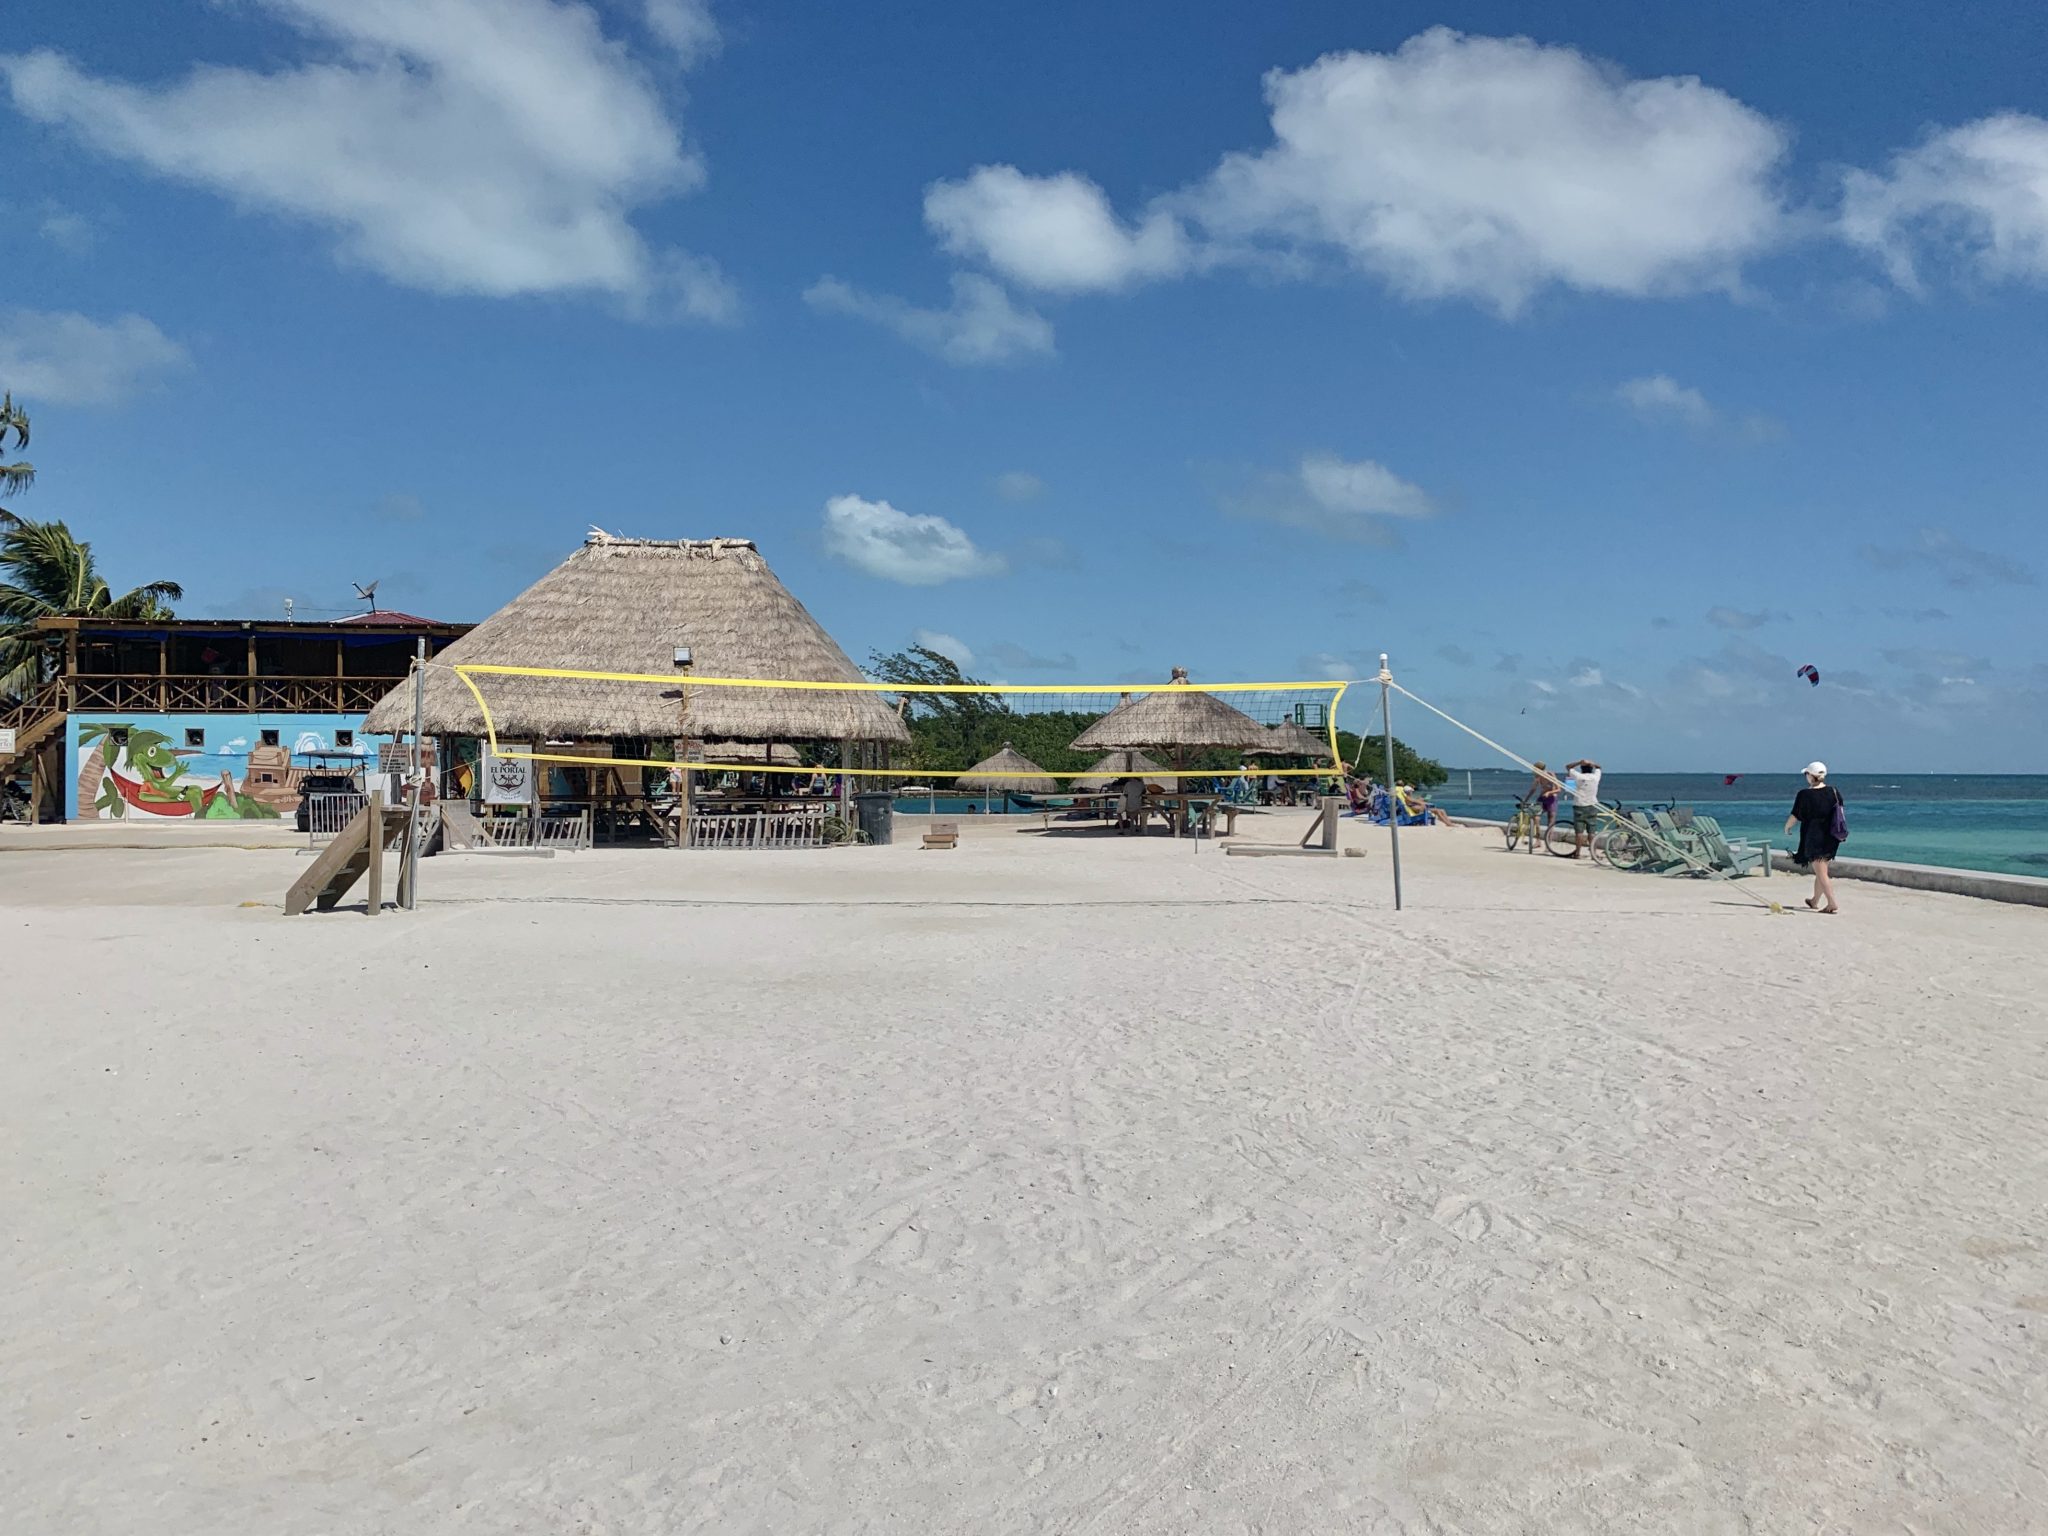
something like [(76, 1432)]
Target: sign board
[(508, 780), (7, 741)]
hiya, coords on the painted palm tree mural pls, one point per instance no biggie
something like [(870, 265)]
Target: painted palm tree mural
[(134, 770)]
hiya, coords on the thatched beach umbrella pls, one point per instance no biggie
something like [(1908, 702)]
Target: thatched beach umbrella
[(1123, 765), (1008, 772), (1177, 718), (768, 754), (1290, 740), (626, 605)]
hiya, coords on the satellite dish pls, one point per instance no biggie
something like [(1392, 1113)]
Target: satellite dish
[(367, 594)]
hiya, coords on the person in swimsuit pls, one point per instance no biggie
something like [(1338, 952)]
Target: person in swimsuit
[(1813, 813)]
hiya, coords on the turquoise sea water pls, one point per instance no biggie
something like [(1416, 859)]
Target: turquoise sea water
[(1988, 821), (1996, 821)]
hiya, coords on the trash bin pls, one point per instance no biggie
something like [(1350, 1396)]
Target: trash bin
[(874, 811)]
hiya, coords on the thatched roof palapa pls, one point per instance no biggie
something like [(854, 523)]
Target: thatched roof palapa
[(1123, 765), (1008, 772), (1290, 740), (1176, 716), (624, 605)]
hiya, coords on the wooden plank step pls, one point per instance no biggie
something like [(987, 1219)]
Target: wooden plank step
[(357, 850)]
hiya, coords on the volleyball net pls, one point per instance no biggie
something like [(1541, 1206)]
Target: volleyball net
[(1027, 736)]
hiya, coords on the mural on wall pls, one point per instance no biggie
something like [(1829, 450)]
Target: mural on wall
[(134, 767)]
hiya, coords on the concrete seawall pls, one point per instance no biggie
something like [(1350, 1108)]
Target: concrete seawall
[(2022, 890), (1986, 885)]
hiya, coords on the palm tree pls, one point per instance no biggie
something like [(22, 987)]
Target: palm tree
[(46, 573), (20, 475)]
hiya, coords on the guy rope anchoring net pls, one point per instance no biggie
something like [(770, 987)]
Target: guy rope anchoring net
[(1649, 834)]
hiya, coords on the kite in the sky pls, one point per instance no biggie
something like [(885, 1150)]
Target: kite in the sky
[(1811, 673)]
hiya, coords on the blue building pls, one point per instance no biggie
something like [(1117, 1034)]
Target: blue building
[(183, 719)]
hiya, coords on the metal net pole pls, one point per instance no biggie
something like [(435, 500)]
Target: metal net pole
[(1393, 800)]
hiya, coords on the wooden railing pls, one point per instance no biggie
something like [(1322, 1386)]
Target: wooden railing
[(216, 695), (32, 719)]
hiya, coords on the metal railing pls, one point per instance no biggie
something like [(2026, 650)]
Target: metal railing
[(328, 813), (521, 829), (794, 827)]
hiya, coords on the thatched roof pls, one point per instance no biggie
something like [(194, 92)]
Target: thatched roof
[(771, 754), (1176, 716), (1123, 765), (1009, 770), (624, 605), (1290, 740)]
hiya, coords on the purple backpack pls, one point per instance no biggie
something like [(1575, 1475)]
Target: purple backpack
[(1838, 824)]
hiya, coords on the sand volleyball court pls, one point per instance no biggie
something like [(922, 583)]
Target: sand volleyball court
[(1040, 1186)]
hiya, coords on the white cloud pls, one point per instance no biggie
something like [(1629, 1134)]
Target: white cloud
[(1341, 498), (1332, 664), (1490, 168), (980, 326), (488, 147), (952, 648), (1361, 487), (685, 27), (70, 232), (1019, 485), (1015, 658), (1052, 232), (1959, 565), (917, 550), (1978, 193), (1739, 619), (70, 359), (399, 507), (1469, 167), (1659, 397)]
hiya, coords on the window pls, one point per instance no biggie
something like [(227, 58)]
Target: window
[(118, 735), (344, 738), (269, 738), (195, 738)]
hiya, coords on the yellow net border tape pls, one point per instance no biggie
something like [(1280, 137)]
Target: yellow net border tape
[(688, 680)]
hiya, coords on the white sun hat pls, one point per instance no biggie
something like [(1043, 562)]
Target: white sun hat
[(1816, 770)]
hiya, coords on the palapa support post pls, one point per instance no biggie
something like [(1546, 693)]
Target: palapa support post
[(1393, 800)]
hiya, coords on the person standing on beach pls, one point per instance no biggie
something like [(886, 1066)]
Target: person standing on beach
[(1543, 790), (1816, 810), (1584, 785)]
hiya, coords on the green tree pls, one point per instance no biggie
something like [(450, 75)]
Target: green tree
[(946, 729), (47, 573), (1369, 756), (21, 474)]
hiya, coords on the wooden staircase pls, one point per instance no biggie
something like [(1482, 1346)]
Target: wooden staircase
[(34, 721)]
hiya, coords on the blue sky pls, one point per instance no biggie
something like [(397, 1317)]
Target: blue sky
[(1604, 374)]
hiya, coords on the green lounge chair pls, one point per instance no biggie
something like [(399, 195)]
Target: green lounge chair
[(1738, 857)]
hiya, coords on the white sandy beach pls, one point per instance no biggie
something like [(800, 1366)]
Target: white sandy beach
[(1051, 1184)]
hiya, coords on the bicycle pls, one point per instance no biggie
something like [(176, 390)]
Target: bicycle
[(1617, 839), (1524, 827)]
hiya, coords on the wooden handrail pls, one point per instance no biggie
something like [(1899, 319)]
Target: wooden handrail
[(226, 693)]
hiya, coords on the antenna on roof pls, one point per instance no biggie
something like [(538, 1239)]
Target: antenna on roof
[(367, 594)]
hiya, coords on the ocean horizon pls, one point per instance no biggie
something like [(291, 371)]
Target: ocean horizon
[(1993, 822), (1996, 822)]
